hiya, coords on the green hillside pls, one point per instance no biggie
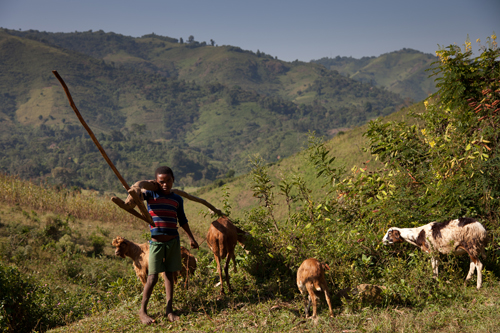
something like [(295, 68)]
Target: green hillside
[(334, 201), (203, 126), (402, 72)]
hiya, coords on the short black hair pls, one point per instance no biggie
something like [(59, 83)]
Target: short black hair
[(164, 170)]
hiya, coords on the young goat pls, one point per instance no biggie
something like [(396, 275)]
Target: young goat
[(188, 266), (222, 237), (460, 236), (139, 253), (311, 277)]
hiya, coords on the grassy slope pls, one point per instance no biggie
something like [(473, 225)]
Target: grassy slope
[(200, 307), (202, 310), (347, 148), (402, 71)]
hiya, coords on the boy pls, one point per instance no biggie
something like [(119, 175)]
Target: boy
[(166, 208)]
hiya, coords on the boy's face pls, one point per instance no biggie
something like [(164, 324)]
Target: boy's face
[(166, 182)]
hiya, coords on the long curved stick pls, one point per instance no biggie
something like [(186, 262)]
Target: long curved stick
[(137, 200), (198, 200)]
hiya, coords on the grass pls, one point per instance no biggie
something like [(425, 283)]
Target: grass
[(277, 316), (260, 305), (42, 234)]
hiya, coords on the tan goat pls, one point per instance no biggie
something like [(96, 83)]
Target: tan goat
[(311, 278), (139, 253), (222, 237)]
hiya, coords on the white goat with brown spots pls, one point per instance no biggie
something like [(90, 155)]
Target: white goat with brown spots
[(311, 278), (460, 236)]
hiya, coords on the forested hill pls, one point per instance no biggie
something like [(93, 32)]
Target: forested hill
[(200, 108), (403, 72)]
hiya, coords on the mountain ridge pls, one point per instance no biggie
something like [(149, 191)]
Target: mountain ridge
[(206, 128), (402, 71)]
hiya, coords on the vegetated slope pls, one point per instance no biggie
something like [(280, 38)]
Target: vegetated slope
[(228, 65), (402, 72), (146, 117), (347, 147)]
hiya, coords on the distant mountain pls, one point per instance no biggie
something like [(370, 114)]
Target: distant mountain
[(152, 100), (402, 72)]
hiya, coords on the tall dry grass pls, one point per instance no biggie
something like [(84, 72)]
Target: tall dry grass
[(89, 206)]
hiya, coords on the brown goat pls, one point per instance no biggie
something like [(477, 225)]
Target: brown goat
[(311, 278), (222, 238), (188, 266), (139, 253)]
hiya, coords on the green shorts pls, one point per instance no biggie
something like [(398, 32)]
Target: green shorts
[(165, 256)]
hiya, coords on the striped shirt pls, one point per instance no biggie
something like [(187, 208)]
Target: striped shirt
[(166, 211)]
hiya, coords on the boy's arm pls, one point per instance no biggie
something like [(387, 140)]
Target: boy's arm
[(194, 243)]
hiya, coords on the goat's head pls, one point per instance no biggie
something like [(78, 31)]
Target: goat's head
[(241, 236), (392, 236), (121, 245)]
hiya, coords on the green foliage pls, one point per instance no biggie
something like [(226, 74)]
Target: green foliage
[(432, 169), (150, 100), (97, 243), (19, 311), (322, 162), (450, 160), (402, 72)]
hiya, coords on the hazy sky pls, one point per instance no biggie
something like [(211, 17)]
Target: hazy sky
[(290, 29)]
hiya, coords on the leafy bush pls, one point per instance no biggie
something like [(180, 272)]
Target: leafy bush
[(19, 311), (442, 166), (98, 243)]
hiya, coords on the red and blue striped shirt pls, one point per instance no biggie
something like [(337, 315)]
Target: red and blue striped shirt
[(166, 211)]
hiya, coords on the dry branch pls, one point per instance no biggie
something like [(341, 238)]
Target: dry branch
[(140, 204)]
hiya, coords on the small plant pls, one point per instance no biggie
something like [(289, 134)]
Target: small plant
[(98, 243)]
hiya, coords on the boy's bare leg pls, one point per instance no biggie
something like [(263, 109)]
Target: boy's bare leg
[(146, 294), (169, 290)]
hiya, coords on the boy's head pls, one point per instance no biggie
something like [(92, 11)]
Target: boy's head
[(164, 170)]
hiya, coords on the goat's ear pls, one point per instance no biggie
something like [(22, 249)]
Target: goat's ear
[(396, 235)]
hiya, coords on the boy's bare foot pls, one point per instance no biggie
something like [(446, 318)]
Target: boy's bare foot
[(172, 317), (145, 319)]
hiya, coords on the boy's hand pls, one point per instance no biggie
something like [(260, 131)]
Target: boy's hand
[(194, 244)]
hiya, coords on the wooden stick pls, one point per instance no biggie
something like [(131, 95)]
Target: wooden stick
[(119, 202), (137, 200), (199, 200)]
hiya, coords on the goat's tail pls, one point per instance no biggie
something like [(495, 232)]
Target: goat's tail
[(317, 285)]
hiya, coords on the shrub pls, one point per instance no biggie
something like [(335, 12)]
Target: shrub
[(98, 243), (19, 307)]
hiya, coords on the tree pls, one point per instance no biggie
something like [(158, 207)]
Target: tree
[(449, 163), (181, 40), (212, 42), (190, 39)]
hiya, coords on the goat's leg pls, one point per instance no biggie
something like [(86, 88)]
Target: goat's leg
[(219, 270), (312, 297), (474, 263), (327, 297), (479, 267), (307, 305), (226, 271), (435, 264), (186, 283), (233, 257), (472, 267)]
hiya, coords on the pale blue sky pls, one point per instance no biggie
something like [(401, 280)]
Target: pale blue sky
[(291, 29)]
